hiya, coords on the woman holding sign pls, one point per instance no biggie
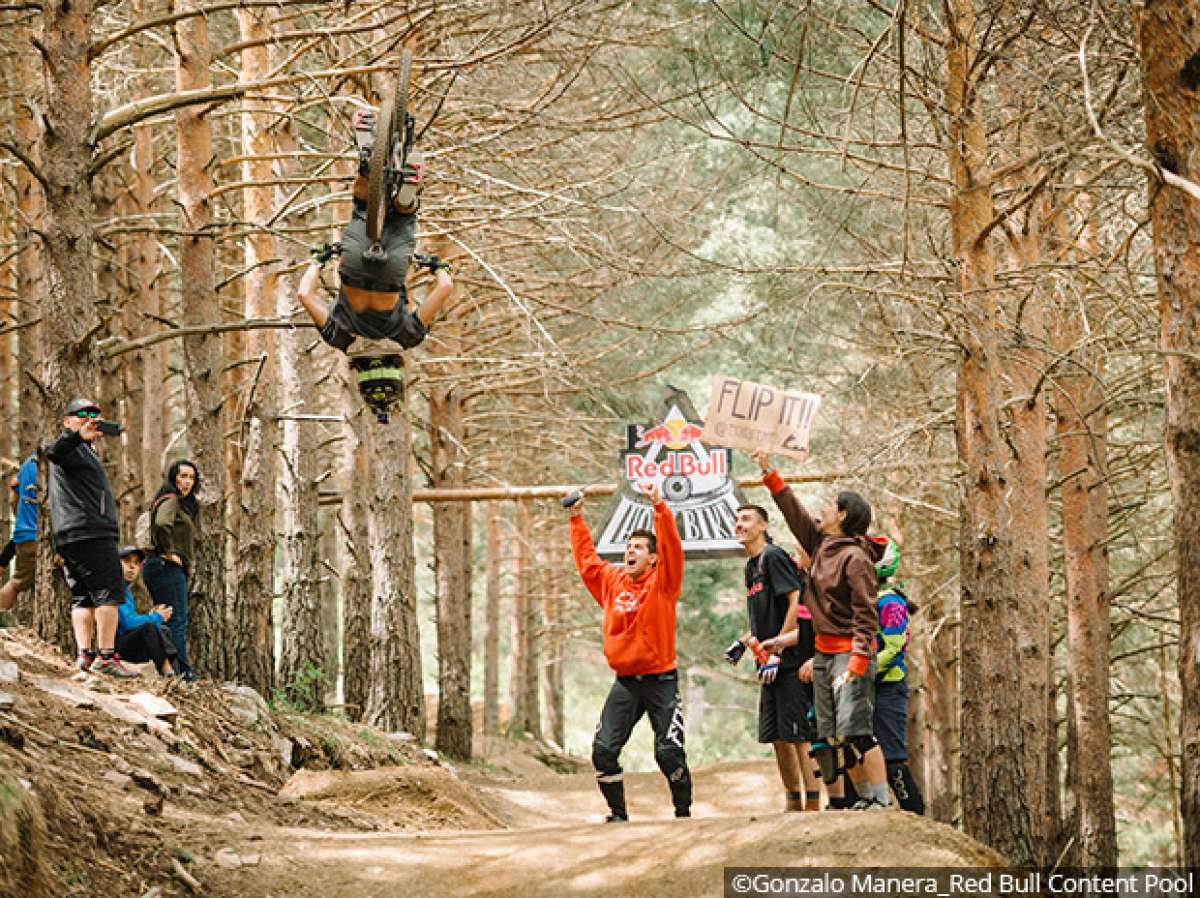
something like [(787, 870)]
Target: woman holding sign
[(842, 604)]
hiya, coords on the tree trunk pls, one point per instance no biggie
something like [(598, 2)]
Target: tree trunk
[(1169, 33), (1082, 435), (355, 570), (210, 624), (992, 764), (69, 358), (257, 431), (552, 614), (30, 204), (1026, 473), (304, 667), (491, 643), (151, 363), (449, 457), (396, 696)]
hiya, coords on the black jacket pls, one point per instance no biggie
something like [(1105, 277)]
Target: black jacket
[(81, 500)]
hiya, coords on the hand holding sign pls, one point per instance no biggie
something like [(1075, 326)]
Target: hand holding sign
[(746, 415)]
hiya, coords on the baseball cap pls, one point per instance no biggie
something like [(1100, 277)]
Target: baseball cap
[(79, 404), (126, 551)]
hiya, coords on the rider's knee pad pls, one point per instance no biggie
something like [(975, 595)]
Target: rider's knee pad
[(826, 758), (856, 747)]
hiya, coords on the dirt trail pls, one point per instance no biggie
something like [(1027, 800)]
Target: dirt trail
[(556, 846)]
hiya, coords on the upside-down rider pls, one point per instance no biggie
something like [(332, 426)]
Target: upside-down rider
[(372, 301)]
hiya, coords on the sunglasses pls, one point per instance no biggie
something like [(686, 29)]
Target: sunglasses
[(87, 413)]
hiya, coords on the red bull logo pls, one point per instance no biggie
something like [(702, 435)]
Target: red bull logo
[(685, 464), (674, 433)]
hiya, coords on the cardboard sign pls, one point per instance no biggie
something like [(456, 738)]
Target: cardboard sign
[(746, 415), (694, 480)]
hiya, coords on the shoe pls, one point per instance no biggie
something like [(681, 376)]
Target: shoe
[(188, 676), (616, 818), (364, 137), (681, 813), (113, 668), (84, 662), (407, 200), (868, 804)]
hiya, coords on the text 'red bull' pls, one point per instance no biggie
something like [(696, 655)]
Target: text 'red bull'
[(683, 463)]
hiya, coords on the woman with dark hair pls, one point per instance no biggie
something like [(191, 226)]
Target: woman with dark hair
[(174, 527), (842, 604)]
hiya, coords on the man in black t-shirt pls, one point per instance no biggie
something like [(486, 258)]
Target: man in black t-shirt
[(774, 586)]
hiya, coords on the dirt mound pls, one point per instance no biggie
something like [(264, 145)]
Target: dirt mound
[(407, 798), (136, 778), (22, 841)]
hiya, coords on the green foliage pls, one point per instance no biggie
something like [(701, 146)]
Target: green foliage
[(303, 694)]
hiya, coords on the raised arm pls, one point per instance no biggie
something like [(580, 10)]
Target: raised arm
[(307, 294), (670, 546), (595, 572), (799, 521), (62, 450)]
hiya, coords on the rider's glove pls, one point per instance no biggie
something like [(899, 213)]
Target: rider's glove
[(324, 253), (768, 670), (734, 653), (433, 262)]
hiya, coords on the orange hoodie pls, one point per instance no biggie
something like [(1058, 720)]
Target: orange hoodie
[(639, 615)]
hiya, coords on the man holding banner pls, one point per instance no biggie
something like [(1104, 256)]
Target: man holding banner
[(639, 600)]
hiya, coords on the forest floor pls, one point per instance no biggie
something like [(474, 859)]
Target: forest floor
[(119, 801)]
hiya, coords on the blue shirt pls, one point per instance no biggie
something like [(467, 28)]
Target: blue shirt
[(127, 617), (26, 522)]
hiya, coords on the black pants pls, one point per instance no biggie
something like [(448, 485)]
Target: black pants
[(630, 698), (148, 642)]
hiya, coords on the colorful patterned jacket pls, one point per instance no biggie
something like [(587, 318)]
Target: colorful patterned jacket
[(892, 640)]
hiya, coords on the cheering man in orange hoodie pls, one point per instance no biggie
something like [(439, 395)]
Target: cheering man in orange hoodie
[(638, 599)]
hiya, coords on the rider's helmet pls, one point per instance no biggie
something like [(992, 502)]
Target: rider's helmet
[(380, 382), (888, 556)]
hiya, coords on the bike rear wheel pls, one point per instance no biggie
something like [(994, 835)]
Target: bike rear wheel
[(390, 128)]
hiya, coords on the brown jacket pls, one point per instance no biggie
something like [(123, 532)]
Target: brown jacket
[(844, 583)]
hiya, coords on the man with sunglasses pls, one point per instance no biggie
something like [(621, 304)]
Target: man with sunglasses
[(83, 528)]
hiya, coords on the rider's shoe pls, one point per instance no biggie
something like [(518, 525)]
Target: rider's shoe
[(408, 199), (364, 136)]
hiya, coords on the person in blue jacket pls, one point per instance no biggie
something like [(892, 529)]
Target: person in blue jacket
[(24, 536), (142, 637)]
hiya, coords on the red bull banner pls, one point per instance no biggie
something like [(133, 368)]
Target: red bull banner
[(694, 478)]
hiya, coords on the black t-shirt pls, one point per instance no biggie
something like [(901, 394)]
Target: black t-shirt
[(770, 577)]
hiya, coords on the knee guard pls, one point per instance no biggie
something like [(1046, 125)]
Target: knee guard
[(827, 762), (904, 787), (856, 747), (606, 761)]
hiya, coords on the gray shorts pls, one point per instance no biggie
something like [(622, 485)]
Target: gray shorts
[(849, 711)]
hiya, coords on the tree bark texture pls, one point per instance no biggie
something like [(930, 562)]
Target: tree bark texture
[(1026, 475), (555, 641), (211, 623), (69, 357), (491, 638), (1079, 408), (355, 566), (396, 697), (449, 457), (992, 763), (303, 660), (1169, 34), (257, 430)]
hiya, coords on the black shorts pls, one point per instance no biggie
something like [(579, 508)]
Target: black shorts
[(783, 709), (341, 329), (891, 719), (93, 572)]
